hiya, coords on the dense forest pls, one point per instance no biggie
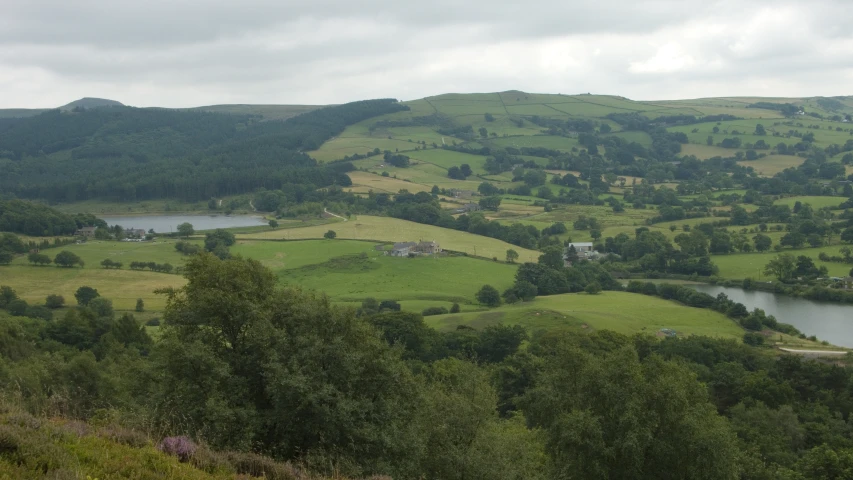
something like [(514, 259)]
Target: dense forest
[(38, 220), (127, 154), (245, 365)]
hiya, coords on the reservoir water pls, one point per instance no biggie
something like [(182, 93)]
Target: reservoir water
[(169, 223), (832, 322)]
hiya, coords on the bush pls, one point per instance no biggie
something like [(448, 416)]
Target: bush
[(434, 311), (257, 466), (330, 234), (154, 322), (181, 447), (18, 307), (593, 288), (54, 301), (39, 311), (754, 339), (124, 436), (455, 308), (489, 296), (140, 305)]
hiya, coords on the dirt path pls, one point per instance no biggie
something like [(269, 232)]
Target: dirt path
[(334, 215), (814, 353)]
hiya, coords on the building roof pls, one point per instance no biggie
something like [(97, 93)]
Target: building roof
[(402, 245), (581, 244), (428, 243)]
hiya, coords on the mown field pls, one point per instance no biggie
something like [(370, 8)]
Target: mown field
[(366, 227), (751, 265), (438, 280), (618, 311)]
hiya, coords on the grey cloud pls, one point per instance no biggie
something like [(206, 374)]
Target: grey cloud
[(256, 51)]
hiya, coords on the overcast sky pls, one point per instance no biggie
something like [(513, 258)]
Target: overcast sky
[(179, 53)]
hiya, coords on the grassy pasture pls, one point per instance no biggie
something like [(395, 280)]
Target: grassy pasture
[(362, 182), (428, 279), (93, 251), (622, 312), (772, 164), (366, 227), (547, 141), (704, 152), (748, 265), (123, 287), (816, 202)]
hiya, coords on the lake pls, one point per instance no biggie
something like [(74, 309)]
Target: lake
[(169, 223), (832, 322)]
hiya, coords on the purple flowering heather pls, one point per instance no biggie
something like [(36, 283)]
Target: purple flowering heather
[(181, 447)]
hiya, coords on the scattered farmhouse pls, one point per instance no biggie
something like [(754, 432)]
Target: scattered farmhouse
[(584, 251), (135, 232), (468, 207), (405, 249), (402, 249), (88, 232)]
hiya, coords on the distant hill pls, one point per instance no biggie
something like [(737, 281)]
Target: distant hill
[(129, 154), (90, 102), (268, 112), (20, 112)]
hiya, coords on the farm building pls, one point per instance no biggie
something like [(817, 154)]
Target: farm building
[(86, 232), (427, 248), (468, 207), (584, 251), (402, 249), (135, 232)]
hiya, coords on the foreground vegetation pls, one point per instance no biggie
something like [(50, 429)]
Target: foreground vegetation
[(243, 365)]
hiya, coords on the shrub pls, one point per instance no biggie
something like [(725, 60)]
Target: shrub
[(154, 322), (54, 301), (489, 296), (434, 311), (754, 339), (258, 466), (593, 288), (124, 436), (181, 447), (330, 234), (140, 305), (455, 308), (39, 311), (18, 307)]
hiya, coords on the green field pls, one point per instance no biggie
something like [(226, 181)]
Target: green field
[(123, 287), (816, 202), (618, 311), (772, 164), (366, 227), (438, 280), (751, 265)]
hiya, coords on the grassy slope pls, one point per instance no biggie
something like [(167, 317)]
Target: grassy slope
[(365, 227), (58, 448), (619, 311), (440, 280)]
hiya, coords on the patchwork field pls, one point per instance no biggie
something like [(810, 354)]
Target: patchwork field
[(816, 202), (123, 287), (751, 265), (622, 312), (772, 164), (439, 280), (365, 227)]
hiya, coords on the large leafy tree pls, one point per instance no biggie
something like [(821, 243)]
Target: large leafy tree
[(248, 365), (612, 415)]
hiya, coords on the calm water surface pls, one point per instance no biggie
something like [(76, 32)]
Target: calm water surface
[(169, 223), (832, 322)]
